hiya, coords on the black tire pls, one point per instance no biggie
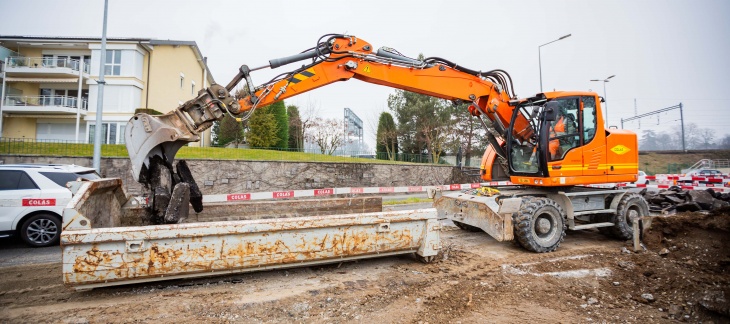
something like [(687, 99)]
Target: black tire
[(41, 230), (539, 224), (467, 227), (631, 205)]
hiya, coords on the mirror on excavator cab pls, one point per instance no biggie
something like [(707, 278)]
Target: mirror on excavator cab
[(551, 110)]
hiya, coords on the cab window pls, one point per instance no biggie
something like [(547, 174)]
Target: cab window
[(564, 133), (589, 118)]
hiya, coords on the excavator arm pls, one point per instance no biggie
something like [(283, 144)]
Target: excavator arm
[(337, 58)]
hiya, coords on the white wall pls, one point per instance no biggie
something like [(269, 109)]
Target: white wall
[(117, 98), (59, 130)]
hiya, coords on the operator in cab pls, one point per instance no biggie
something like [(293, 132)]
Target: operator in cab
[(565, 124)]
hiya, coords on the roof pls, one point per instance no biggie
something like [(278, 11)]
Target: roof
[(142, 40), (48, 167)]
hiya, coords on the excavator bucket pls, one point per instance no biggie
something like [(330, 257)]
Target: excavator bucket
[(148, 136)]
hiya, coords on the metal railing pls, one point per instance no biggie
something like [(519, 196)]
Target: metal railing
[(24, 146), (47, 62), (44, 101), (711, 164)]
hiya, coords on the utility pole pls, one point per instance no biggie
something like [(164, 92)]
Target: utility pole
[(100, 97), (681, 118), (78, 97), (2, 93)]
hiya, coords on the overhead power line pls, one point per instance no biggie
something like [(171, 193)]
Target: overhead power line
[(681, 118)]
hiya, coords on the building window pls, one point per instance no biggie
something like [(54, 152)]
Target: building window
[(192, 88), (113, 64), (182, 80), (122, 128), (112, 133)]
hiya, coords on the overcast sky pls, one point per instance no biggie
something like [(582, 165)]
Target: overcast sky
[(662, 52)]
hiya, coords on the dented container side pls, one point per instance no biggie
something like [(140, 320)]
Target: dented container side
[(95, 204), (112, 256)]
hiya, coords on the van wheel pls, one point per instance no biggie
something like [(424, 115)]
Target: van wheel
[(41, 230)]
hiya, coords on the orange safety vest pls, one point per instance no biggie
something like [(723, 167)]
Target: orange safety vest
[(559, 127)]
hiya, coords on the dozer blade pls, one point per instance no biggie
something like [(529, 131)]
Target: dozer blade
[(486, 213)]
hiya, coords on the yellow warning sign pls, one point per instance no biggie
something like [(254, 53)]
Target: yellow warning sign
[(366, 69), (620, 149)]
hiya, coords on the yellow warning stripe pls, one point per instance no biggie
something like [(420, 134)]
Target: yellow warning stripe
[(301, 76)]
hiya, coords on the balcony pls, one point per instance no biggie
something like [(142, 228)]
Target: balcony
[(45, 67), (43, 105)]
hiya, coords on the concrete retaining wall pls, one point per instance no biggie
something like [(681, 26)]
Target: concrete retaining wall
[(230, 176)]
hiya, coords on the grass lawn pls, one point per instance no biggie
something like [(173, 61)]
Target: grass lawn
[(187, 152)]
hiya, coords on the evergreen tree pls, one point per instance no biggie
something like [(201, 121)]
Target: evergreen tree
[(278, 110), (296, 132), (262, 128), (227, 130), (386, 137)]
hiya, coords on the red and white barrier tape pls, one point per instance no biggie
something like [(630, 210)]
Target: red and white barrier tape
[(268, 195), (339, 191), (666, 186)]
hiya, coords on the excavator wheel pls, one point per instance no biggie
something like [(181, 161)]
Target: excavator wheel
[(631, 205), (539, 225), (467, 227)]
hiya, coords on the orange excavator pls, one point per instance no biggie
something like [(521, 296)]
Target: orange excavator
[(551, 145)]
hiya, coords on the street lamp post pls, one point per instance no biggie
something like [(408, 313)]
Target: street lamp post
[(539, 58), (605, 97)]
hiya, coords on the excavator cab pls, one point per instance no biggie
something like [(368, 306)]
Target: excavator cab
[(559, 139)]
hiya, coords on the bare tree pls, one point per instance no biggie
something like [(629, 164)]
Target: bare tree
[(328, 134)]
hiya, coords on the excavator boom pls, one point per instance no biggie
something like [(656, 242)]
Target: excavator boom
[(338, 58)]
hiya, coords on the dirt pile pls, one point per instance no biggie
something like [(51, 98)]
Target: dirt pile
[(690, 262)]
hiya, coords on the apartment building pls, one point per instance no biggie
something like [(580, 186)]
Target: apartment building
[(50, 90)]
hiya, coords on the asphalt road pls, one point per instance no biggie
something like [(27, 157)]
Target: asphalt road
[(14, 252)]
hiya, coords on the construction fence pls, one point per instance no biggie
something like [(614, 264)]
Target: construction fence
[(24, 146)]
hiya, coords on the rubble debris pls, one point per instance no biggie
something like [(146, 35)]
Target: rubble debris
[(674, 198), (177, 210), (647, 297)]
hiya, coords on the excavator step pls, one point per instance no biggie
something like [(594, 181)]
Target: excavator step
[(594, 225), (591, 212)]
